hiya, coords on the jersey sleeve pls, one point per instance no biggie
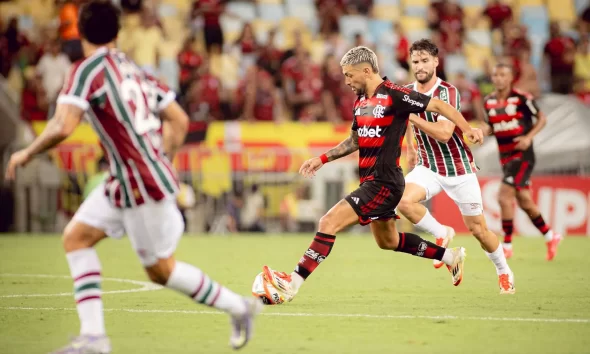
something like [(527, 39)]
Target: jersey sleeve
[(406, 100), (164, 95), (530, 106), (452, 97), (81, 83)]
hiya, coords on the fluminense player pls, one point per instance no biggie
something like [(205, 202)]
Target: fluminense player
[(126, 108)]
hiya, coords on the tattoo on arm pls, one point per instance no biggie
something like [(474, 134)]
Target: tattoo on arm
[(346, 147)]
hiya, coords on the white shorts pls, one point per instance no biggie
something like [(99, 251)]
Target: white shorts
[(154, 228), (463, 190)]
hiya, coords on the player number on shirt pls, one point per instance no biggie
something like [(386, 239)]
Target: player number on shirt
[(144, 119)]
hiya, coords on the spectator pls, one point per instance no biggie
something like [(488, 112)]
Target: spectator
[(471, 101), (34, 104), (447, 18), (204, 96), (68, 30), (302, 85), (148, 38), (559, 55), (361, 7), (337, 97), (436, 38), (515, 39), (234, 206), (525, 74), (498, 14), (252, 211), (247, 47), (582, 66), (53, 68), (329, 13), (189, 61), (11, 43), (335, 45), (209, 12), (359, 40), (584, 22), (270, 57), (402, 50), (258, 98), (484, 81)]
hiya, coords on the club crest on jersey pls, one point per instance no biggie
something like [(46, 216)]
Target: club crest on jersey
[(510, 109), (443, 95), (378, 111)]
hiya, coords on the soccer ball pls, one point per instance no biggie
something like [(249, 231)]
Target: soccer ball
[(265, 291)]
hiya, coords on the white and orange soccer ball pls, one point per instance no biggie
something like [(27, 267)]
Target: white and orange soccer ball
[(266, 291)]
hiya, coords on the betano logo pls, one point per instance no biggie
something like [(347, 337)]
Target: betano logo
[(412, 102), (367, 132)]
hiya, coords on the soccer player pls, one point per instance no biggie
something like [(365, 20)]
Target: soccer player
[(444, 163), (510, 115), (123, 104), (381, 114)]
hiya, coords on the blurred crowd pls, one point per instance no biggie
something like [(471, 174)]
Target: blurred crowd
[(228, 65)]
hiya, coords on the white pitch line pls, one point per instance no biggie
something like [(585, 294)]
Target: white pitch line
[(145, 286), (340, 315)]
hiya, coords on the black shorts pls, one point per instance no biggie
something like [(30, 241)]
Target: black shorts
[(375, 201), (517, 173)]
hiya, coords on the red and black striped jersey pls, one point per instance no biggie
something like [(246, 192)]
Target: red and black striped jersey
[(510, 118), (123, 103), (381, 122)]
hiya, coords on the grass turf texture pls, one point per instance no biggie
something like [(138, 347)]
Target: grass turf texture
[(358, 278)]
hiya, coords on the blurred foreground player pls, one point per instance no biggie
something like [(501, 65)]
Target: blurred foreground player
[(510, 115), (123, 104), (444, 162), (381, 114)]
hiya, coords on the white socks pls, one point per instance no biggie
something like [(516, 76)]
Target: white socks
[(447, 257), (296, 281), (548, 236), (85, 270), (497, 257), (429, 224), (191, 281)]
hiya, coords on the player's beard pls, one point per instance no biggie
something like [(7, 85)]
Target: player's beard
[(360, 90), (426, 78)]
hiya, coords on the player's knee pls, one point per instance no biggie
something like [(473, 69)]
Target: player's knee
[(328, 224), (477, 229), (504, 200), (405, 205), (525, 203), (389, 243), (73, 239)]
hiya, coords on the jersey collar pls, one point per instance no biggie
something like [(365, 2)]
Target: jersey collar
[(431, 91)]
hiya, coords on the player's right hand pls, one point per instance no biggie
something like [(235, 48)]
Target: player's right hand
[(18, 159), (475, 136), (309, 167), (412, 156)]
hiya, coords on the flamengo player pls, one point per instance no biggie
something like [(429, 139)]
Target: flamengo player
[(381, 114), (510, 117), (445, 163), (138, 199)]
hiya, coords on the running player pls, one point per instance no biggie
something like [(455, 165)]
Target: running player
[(123, 103), (510, 115), (381, 114), (444, 163)]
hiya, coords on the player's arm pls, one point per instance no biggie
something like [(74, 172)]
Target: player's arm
[(174, 129), (475, 135), (65, 120), (411, 152), (441, 130), (345, 148), (526, 140)]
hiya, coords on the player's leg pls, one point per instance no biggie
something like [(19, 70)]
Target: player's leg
[(506, 196), (422, 184), (154, 230), (388, 238), (526, 203), (466, 193), (92, 222), (335, 220)]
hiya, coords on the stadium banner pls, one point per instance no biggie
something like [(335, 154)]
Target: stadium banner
[(564, 202)]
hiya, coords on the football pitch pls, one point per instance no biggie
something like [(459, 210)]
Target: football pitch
[(360, 300)]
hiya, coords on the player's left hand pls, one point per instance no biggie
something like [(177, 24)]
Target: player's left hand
[(18, 159), (523, 142), (475, 136)]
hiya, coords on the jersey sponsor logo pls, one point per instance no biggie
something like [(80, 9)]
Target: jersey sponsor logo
[(312, 254), (505, 126), (412, 102), (355, 199), (378, 111), (513, 100), (379, 95), (370, 132)]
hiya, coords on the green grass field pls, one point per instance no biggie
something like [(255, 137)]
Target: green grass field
[(361, 300)]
